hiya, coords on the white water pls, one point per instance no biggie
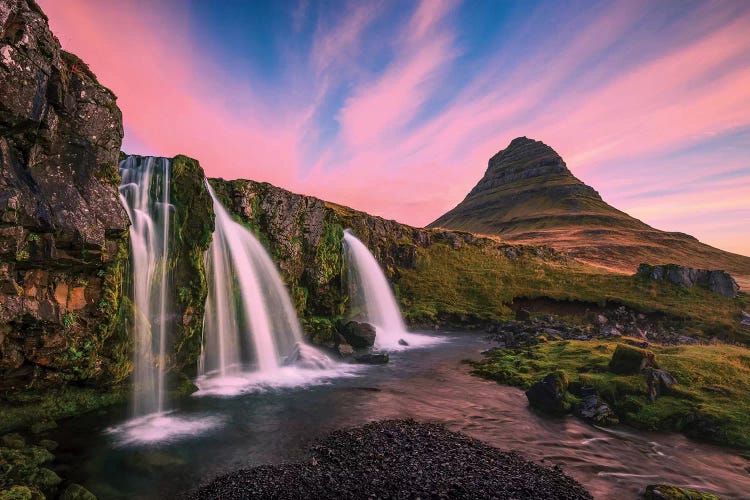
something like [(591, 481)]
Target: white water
[(372, 299), (144, 192), (252, 338)]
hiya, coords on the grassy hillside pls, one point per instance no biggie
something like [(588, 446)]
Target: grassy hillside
[(482, 282), (528, 196)]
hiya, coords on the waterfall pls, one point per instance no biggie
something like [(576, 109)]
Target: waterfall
[(144, 192), (372, 299), (250, 326)]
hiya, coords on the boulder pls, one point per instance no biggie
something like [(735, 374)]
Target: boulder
[(659, 382), (667, 492), (359, 334), (548, 394), (523, 315), (402, 342), (15, 441), (345, 350), (596, 410), (371, 358), (630, 360), (77, 492), (717, 281), (744, 318)]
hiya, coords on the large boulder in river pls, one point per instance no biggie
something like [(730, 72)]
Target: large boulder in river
[(667, 492), (717, 281), (62, 228), (548, 394), (630, 360), (358, 334)]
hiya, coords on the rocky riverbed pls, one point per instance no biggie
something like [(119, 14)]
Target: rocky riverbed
[(398, 459)]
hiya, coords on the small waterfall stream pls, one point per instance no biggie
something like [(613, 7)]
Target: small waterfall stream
[(144, 192), (372, 299)]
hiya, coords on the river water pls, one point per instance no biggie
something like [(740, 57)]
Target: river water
[(431, 383)]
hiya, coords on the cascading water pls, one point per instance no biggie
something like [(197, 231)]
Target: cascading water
[(144, 192), (251, 334), (372, 299)]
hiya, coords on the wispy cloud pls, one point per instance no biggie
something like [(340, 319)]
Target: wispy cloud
[(394, 108)]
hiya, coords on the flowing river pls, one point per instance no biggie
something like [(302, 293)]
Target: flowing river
[(273, 425)]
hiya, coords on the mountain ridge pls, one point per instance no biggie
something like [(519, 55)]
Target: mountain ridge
[(529, 196)]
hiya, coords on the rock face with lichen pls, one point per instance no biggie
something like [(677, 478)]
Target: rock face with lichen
[(62, 228)]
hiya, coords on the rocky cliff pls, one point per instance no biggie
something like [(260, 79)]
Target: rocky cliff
[(62, 229), (529, 196)]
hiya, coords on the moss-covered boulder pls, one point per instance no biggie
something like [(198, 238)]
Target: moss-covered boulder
[(77, 492), (550, 394), (666, 492), (20, 493), (628, 360)]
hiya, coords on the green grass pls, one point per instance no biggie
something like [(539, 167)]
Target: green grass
[(710, 401), (483, 282)]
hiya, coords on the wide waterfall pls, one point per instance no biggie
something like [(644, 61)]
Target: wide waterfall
[(251, 334), (144, 192), (372, 299)]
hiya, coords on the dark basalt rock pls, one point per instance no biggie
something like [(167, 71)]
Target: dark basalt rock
[(596, 410), (548, 394), (359, 335), (371, 358), (659, 382), (398, 459), (717, 281)]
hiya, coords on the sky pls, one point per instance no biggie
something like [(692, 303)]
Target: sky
[(394, 107)]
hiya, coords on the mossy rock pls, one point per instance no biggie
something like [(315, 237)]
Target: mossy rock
[(77, 492), (551, 395), (14, 440), (666, 492), (629, 360), (43, 426), (17, 493)]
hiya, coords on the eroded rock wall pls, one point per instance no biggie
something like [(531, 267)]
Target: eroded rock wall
[(62, 229)]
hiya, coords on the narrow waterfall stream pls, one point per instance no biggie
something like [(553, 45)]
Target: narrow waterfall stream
[(372, 299), (144, 192)]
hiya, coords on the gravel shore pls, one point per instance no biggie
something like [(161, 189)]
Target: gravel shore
[(398, 459)]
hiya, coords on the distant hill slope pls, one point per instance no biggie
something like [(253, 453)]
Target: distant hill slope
[(529, 196)]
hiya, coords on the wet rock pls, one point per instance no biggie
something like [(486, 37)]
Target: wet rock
[(358, 334), (548, 394), (717, 281), (744, 318), (345, 350), (398, 459), (77, 492), (629, 360), (596, 410), (15, 441), (371, 358), (43, 426), (667, 492), (402, 342), (659, 382), (48, 444)]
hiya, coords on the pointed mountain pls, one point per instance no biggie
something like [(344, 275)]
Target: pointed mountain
[(528, 195)]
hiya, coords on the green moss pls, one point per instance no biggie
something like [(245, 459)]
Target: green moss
[(22, 410), (193, 228), (666, 492), (69, 319), (629, 360), (17, 493), (709, 402)]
